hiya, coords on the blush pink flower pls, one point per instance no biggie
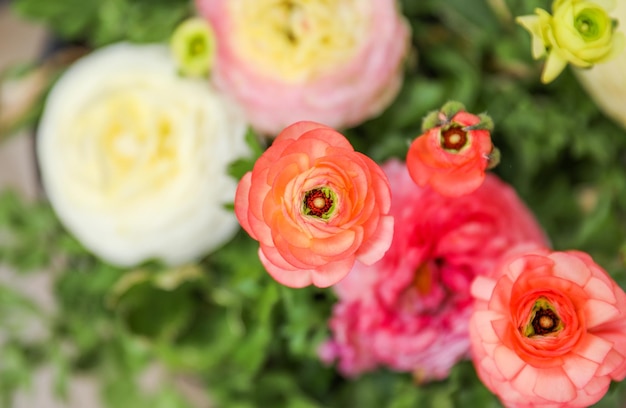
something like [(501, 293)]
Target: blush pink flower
[(334, 62), (549, 330), (410, 311), (453, 153), (316, 206)]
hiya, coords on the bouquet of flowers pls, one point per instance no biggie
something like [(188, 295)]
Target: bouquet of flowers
[(299, 203)]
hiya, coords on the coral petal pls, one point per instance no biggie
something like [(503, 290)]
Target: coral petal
[(482, 288), (571, 268), (241, 201), (508, 362), (332, 273), (294, 278), (593, 348), (579, 370), (598, 312), (554, 386), (374, 249), (598, 289), (295, 130)]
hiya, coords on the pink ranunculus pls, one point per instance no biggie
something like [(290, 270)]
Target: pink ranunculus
[(549, 330), (410, 311), (336, 62), (316, 206)]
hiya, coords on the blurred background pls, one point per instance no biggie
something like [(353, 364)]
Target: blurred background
[(22, 42)]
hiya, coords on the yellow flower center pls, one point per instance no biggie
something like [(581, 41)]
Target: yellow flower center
[(298, 40), (592, 23), (125, 141)]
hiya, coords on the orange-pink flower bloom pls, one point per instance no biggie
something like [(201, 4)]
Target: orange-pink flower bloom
[(549, 330), (452, 157), (315, 206)]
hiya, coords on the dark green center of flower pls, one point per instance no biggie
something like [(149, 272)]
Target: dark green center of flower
[(592, 23), (319, 202), (454, 139), (543, 321), (197, 45)]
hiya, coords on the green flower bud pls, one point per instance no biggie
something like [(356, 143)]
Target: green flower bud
[(193, 47)]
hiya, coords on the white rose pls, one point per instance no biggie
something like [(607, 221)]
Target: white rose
[(133, 157)]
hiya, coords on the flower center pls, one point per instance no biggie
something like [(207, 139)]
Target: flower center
[(197, 45), (297, 40), (422, 281), (319, 202), (591, 23), (454, 139), (131, 142), (543, 321)]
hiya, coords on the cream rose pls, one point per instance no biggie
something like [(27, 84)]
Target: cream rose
[(133, 157)]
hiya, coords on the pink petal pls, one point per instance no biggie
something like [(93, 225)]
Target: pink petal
[(483, 324), (375, 248), (332, 273), (553, 385), (296, 130), (598, 289), (525, 381), (490, 367), (277, 259), (330, 136), (593, 348), (612, 362), (292, 278), (516, 268), (570, 268), (508, 361), (598, 386), (579, 370), (241, 202), (482, 288), (334, 245), (598, 312)]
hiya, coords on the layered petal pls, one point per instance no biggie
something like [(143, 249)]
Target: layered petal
[(315, 206), (337, 63), (557, 323)]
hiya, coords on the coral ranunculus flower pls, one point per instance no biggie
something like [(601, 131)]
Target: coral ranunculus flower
[(549, 330), (315, 206), (410, 311), (453, 153), (334, 62)]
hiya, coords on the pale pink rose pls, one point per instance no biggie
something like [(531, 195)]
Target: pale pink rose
[(337, 63), (549, 330), (410, 311)]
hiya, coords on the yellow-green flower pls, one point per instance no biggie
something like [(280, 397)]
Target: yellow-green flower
[(578, 31), (193, 46)]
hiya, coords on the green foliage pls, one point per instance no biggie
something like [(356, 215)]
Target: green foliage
[(103, 22)]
